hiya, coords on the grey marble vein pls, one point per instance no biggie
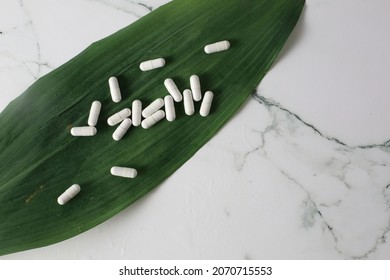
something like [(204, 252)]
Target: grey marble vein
[(360, 158), (126, 6), (270, 103), (150, 8), (382, 239), (309, 219), (38, 60)]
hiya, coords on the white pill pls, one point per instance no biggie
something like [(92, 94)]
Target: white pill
[(169, 108), (71, 192), (188, 102), (217, 47), (173, 90), (94, 113), (195, 88), (151, 120), (83, 131), (121, 129), (114, 89), (136, 112), (206, 104), (126, 172), (152, 64), (118, 117), (153, 107)]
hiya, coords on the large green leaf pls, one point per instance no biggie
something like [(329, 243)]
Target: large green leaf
[(39, 158)]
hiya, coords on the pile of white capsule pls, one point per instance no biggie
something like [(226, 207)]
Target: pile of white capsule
[(148, 116)]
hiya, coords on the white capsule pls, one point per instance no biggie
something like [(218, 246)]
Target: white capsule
[(151, 120), (136, 112), (195, 88), (188, 102), (126, 172), (121, 129), (152, 64), (114, 89), (153, 107), (173, 90), (206, 104), (83, 131), (94, 113), (118, 117), (169, 108), (71, 192), (217, 47)]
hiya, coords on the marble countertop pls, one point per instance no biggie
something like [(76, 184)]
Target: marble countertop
[(301, 172)]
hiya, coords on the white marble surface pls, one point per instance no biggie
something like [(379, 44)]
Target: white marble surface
[(301, 172)]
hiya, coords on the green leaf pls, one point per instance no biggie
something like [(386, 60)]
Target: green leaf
[(39, 159)]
